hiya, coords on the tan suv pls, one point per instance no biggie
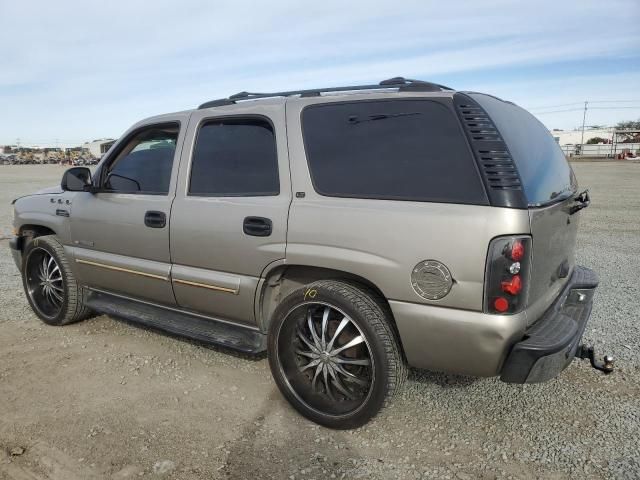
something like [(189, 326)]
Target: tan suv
[(349, 232)]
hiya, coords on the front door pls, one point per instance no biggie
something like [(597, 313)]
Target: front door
[(120, 234), (229, 218)]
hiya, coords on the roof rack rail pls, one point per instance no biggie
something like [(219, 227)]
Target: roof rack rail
[(401, 83)]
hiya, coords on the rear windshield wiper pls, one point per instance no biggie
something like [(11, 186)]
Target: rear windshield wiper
[(353, 119), (583, 200)]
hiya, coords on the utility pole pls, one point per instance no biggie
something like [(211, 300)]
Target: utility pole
[(584, 117), (613, 139)]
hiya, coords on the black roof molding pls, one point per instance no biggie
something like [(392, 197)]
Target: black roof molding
[(497, 168), (400, 83), (217, 103), (469, 92)]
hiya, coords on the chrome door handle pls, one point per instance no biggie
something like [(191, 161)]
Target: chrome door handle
[(154, 219), (257, 226)]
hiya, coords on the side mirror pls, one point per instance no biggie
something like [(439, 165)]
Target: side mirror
[(76, 179)]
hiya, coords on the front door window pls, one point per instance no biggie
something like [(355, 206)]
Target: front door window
[(144, 164)]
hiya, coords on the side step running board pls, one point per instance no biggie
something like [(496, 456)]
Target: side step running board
[(206, 330)]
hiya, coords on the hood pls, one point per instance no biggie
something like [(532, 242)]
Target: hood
[(54, 189), (44, 191)]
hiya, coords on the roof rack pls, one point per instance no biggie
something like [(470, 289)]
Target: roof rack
[(400, 83)]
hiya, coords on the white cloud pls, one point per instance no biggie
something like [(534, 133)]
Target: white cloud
[(73, 70), (544, 96)]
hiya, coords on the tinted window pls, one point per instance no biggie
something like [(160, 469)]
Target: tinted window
[(398, 149), (235, 158), (144, 164), (544, 170)]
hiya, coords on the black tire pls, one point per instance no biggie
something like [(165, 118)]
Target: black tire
[(71, 307), (370, 318)]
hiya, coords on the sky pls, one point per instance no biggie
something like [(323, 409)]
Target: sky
[(73, 71)]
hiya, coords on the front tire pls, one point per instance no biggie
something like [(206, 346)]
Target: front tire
[(333, 353), (49, 283)]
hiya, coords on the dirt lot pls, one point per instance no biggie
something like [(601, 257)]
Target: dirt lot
[(103, 399)]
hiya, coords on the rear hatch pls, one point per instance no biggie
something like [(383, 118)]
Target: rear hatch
[(550, 187), (554, 238)]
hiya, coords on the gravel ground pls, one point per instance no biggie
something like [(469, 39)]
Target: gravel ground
[(103, 399)]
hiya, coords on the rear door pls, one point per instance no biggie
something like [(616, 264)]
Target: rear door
[(120, 234), (229, 218)]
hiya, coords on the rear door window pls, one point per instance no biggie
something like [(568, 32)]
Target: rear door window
[(390, 149), (235, 157), (544, 170)]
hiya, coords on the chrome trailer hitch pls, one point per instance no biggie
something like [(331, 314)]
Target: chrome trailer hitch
[(606, 365)]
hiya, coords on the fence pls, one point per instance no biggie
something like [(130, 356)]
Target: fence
[(611, 150)]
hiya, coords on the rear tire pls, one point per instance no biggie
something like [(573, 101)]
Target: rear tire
[(49, 283), (333, 353)]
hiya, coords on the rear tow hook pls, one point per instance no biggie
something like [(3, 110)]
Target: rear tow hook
[(606, 365)]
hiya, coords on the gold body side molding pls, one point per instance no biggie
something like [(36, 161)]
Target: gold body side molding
[(205, 285), (124, 270)]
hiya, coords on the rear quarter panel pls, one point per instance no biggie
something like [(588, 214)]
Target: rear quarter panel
[(382, 240)]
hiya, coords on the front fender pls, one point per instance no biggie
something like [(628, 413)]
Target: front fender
[(50, 211)]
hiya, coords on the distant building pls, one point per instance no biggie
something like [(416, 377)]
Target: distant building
[(53, 152), (99, 147), (574, 137), (73, 153), (610, 142)]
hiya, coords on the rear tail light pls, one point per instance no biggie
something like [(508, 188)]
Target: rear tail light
[(513, 286), (507, 274), (517, 250), (501, 304)]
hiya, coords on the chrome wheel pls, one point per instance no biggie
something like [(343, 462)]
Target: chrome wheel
[(325, 359), (45, 285)]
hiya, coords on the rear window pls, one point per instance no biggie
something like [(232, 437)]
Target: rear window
[(544, 170), (390, 149)]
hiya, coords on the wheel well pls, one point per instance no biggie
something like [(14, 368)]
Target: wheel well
[(32, 231), (284, 279)]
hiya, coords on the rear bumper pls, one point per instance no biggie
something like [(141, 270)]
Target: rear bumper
[(550, 344), (475, 343), (462, 342)]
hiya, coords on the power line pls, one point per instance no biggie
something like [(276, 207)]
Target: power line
[(580, 109), (559, 111), (580, 103), (614, 108), (555, 106), (614, 101)]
